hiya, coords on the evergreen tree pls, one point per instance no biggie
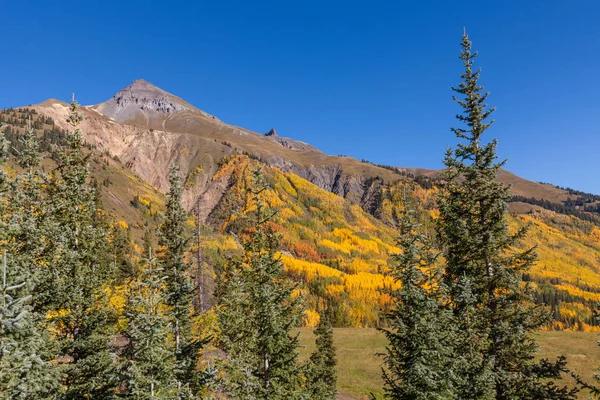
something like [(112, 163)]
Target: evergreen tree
[(179, 289), (257, 314), (73, 291), (120, 249), (417, 358), (26, 208), (24, 342), (148, 369), (480, 251), (24, 346), (321, 375)]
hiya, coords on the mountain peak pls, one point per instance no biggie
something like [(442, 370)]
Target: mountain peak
[(143, 102), (149, 97), (142, 85)]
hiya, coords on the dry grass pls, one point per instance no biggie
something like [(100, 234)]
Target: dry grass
[(359, 368)]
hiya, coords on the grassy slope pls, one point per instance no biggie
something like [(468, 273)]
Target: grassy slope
[(122, 186), (359, 369)]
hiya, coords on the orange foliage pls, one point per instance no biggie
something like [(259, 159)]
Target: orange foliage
[(305, 251)]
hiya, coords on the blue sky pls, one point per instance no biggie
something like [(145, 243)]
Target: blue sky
[(366, 79)]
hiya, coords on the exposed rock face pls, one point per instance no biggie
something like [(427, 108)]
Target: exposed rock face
[(143, 101), (271, 133)]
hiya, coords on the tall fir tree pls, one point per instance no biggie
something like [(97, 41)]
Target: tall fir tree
[(257, 313), (120, 247), (25, 350), (418, 356), (179, 290), (321, 375), (27, 372), (480, 255), (29, 216), (74, 295), (148, 366)]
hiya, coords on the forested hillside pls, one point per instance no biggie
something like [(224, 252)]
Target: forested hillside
[(334, 248)]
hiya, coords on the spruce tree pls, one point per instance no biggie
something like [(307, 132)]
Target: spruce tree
[(27, 372), (30, 218), (257, 313), (321, 375), (120, 248), (179, 289), (148, 368), (25, 348), (480, 253), (24, 343), (73, 289), (417, 358)]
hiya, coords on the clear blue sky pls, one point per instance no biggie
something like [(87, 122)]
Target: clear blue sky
[(366, 79)]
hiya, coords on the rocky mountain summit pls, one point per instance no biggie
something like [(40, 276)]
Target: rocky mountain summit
[(142, 101)]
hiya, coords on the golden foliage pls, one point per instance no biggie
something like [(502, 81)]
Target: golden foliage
[(311, 318), (340, 252)]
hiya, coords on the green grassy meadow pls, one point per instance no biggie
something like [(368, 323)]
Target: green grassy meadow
[(359, 368)]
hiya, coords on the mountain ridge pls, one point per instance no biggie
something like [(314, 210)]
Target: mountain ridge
[(155, 128)]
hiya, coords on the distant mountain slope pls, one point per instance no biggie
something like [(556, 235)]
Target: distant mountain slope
[(148, 128), (336, 214), (520, 186)]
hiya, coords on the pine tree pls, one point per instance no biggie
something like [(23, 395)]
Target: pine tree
[(149, 366), (257, 314), (73, 289), (417, 358), (480, 251), (24, 345), (120, 249), (30, 218), (179, 289), (26, 370), (321, 375), (24, 342)]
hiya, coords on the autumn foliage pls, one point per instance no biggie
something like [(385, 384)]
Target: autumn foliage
[(340, 253)]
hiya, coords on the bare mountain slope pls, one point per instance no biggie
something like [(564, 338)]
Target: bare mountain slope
[(149, 128)]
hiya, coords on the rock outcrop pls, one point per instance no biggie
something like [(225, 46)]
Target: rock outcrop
[(142, 101), (287, 142)]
